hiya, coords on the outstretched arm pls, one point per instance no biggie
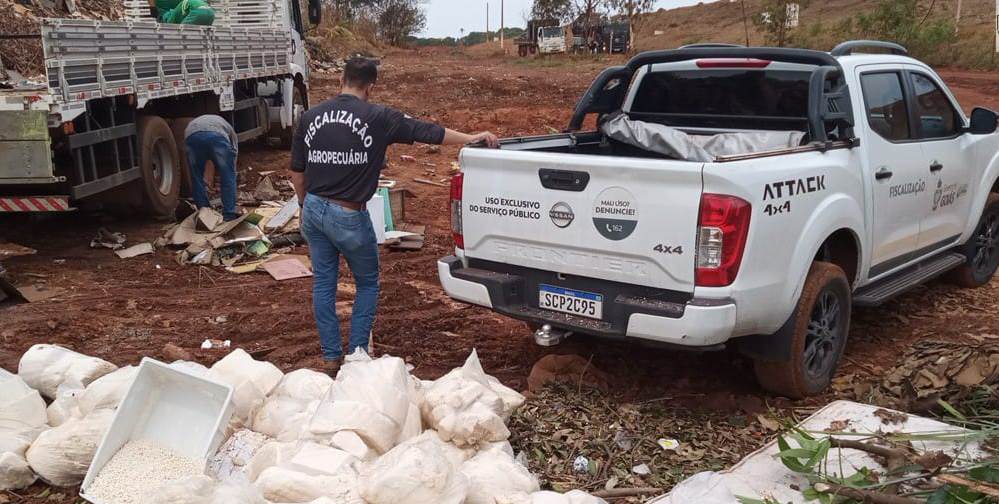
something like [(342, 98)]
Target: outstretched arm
[(452, 137)]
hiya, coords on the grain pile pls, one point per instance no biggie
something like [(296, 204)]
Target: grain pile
[(138, 467)]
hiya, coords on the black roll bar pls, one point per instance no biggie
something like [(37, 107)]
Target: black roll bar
[(848, 48)]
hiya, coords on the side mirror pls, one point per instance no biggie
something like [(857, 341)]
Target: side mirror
[(983, 121), (315, 12)]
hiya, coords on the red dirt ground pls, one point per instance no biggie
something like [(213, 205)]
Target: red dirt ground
[(122, 310)]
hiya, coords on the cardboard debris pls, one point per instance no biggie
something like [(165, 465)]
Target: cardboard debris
[(265, 190), (135, 250), (208, 220), (108, 239), (287, 269), (36, 293), (8, 250), (407, 237), (284, 216)]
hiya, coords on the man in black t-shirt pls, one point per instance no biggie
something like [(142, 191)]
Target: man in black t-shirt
[(336, 157)]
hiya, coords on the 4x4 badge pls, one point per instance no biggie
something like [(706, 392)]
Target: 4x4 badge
[(562, 215)]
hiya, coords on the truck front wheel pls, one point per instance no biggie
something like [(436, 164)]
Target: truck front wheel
[(818, 336), (982, 249), (297, 109), (160, 165)]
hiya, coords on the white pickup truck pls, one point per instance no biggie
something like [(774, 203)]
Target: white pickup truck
[(682, 220)]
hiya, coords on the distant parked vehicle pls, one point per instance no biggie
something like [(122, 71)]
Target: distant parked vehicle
[(527, 44)]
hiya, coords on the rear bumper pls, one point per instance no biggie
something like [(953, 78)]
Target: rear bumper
[(694, 323)]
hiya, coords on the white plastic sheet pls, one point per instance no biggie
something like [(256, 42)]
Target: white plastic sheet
[(45, 367), (677, 144)]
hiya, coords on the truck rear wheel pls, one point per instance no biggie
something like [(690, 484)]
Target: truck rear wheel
[(178, 126), (982, 249), (297, 109), (819, 331), (160, 165)]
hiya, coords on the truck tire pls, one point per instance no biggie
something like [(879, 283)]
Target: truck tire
[(981, 250), (298, 108), (819, 329), (160, 165), (178, 126)]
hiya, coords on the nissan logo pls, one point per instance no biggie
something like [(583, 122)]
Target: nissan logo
[(562, 215)]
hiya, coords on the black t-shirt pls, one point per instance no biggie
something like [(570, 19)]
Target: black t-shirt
[(340, 145)]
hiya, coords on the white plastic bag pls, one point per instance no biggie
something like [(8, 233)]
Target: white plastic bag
[(415, 472), (303, 384), (573, 497), (204, 490), (231, 460), (468, 407), (351, 443), (493, 473), (302, 472), (66, 404), (377, 430), (284, 418), (22, 418), (45, 367), (107, 391), (251, 381), (381, 383), (61, 455), (14, 472), (707, 487)]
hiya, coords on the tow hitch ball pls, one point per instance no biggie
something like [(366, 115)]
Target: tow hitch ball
[(548, 336)]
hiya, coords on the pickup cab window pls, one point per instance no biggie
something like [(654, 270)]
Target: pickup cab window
[(767, 99), (934, 113), (885, 101)]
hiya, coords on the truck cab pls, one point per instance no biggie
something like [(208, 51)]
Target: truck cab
[(733, 196)]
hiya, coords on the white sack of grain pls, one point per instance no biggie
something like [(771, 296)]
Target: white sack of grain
[(413, 425), (61, 455), (303, 384), (15, 472), (66, 404), (107, 391), (251, 381), (302, 472), (284, 418), (204, 490), (494, 473), (547, 497), (22, 418), (351, 443), (45, 367), (377, 430), (415, 472), (468, 407), (381, 383), (231, 461), (288, 409), (195, 368), (279, 484)]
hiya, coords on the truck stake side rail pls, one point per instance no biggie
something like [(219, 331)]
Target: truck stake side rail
[(86, 59)]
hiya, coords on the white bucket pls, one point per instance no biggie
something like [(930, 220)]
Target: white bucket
[(174, 408)]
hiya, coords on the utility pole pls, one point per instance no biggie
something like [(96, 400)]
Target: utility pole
[(502, 26), (957, 20), (488, 38)]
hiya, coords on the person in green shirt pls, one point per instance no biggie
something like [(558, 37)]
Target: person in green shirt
[(192, 12)]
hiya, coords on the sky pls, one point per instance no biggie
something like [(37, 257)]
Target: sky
[(448, 17)]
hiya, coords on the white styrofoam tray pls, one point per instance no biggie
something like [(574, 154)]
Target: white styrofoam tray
[(174, 408), (760, 474)]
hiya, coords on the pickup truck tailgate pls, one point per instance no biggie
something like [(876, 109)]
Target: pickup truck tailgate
[(629, 220)]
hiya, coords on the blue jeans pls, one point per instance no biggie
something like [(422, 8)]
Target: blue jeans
[(332, 230), (205, 146)]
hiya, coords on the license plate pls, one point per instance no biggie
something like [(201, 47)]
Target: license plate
[(586, 304)]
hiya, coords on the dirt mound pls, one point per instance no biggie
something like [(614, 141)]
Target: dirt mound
[(24, 55), (330, 46)]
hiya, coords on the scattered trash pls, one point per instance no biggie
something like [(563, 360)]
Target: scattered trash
[(287, 269), (135, 250), (214, 344), (407, 158), (430, 182), (107, 239), (265, 190), (641, 470), (668, 444), (8, 250), (581, 464)]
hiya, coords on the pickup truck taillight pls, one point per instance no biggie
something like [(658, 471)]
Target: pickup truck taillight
[(721, 239), (457, 182)]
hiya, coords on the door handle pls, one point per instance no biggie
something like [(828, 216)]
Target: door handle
[(936, 166), (883, 173)]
